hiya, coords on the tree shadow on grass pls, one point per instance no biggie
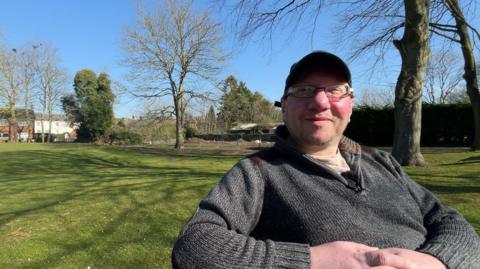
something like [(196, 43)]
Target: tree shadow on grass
[(451, 189), (169, 188), (469, 160), (42, 163), (214, 151), (445, 184), (151, 196), (139, 229), (158, 198), (473, 159), (473, 176), (60, 177), (437, 150), (103, 245)]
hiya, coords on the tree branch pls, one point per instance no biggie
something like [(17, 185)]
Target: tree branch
[(442, 28), (445, 36)]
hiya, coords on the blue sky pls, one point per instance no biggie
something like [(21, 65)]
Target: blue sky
[(87, 34)]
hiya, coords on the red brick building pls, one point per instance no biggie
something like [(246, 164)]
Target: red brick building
[(23, 129)]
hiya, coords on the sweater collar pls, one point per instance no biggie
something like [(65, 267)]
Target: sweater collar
[(346, 144), (350, 150)]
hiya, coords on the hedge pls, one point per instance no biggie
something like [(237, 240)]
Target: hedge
[(442, 125)]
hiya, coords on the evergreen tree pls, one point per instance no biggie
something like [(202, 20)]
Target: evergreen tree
[(240, 105), (210, 120), (91, 106)]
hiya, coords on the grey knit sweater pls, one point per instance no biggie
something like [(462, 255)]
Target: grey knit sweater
[(271, 206)]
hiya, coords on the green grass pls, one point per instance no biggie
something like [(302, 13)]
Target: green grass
[(74, 206), (454, 177), (80, 206)]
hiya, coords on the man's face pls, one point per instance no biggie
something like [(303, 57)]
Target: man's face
[(316, 123)]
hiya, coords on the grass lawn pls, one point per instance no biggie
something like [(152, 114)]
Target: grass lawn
[(81, 206)]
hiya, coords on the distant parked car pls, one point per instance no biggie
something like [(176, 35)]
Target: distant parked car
[(3, 137), (38, 137)]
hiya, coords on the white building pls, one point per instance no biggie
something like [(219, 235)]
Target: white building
[(59, 125)]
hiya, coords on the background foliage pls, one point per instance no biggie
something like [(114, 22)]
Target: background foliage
[(442, 125), (92, 105), (240, 105)]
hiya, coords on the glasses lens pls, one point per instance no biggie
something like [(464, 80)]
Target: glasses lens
[(337, 90), (302, 91), (334, 93)]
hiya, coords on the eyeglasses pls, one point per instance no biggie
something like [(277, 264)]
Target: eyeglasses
[(334, 93)]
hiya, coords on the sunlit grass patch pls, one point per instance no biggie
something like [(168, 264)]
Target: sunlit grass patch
[(74, 206), (80, 206)]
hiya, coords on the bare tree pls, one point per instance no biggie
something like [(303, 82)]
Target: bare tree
[(462, 28), (440, 25), (458, 97), (167, 49), (251, 16), (383, 97), (442, 78), (10, 83), (27, 75), (442, 12), (389, 16), (52, 80), (414, 51), (155, 123)]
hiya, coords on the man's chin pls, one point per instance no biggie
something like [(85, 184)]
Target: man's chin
[(320, 141)]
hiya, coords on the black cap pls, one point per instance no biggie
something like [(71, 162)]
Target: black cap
[(316, 59)]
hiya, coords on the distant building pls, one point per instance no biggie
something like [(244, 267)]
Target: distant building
[(254, 128), (60, 126), (29, 128), (24, 124)]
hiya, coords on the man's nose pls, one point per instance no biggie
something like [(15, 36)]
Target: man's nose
[(319, 101)]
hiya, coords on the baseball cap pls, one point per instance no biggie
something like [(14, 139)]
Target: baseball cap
[(316, 59)]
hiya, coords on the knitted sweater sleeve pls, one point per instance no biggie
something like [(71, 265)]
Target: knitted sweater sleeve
[(217, 236), (450, 237)]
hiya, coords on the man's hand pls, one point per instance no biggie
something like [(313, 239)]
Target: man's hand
[(421, 260), (350, 255)]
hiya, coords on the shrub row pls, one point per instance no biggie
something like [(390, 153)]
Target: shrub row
[(125, 138), (235, 137), (442, 125)]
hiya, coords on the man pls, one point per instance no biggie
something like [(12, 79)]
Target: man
[(320, 200)]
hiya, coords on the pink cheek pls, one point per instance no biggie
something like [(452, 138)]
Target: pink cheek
[(342, 108)]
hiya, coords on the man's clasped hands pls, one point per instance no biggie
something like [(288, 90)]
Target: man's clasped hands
[(350, 255)]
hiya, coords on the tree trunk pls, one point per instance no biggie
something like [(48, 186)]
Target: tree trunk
[(13, 124), (470, 75), (49, 127), (179, 138), (42, 129), (27, 114), (414, 51)]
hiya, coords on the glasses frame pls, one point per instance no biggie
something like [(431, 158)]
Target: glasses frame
[(316, 89)]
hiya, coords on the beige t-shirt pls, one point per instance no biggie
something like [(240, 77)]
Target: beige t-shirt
[(336, 162)]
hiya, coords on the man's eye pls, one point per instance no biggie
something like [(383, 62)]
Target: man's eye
[(336, 90), (305, 90)]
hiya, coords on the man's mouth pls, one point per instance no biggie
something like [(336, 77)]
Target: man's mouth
[(318, 118)]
